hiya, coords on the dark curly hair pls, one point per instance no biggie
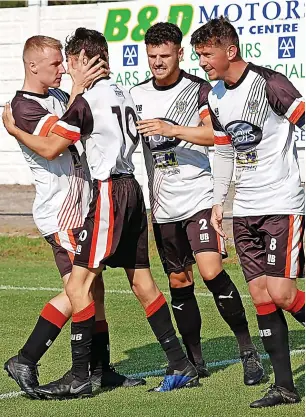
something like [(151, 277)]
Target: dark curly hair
[(218, 32), (92, 41), (163, 32)]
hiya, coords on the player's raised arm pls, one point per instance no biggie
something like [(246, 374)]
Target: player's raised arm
[(286, 100)]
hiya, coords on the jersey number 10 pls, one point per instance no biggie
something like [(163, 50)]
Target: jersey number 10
[(129, 112)]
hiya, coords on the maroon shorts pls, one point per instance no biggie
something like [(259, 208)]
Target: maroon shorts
[(270, 245), (178, 241), (115, 231), (64, 245)]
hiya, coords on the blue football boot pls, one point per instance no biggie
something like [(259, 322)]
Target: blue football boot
[(175, 379)]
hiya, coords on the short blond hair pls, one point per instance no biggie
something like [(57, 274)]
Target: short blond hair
[(39, 43)]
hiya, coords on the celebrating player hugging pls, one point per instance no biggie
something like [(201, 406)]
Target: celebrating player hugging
[(91, 210)]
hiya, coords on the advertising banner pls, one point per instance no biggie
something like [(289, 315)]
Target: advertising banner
[(272, 34)]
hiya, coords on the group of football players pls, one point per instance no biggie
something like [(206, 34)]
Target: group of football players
[(90, 208)]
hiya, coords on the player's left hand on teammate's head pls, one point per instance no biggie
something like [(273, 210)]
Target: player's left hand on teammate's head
[(84, 71), (8, 119)]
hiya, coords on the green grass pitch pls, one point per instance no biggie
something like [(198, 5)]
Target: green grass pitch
[(29, 263)]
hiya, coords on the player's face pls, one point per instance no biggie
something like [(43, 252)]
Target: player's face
[(164, 61), (213, 60), (72, 62), (49, 66)]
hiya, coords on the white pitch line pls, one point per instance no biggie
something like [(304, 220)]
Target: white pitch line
[(218, 364), (53, 289), (10, 395), (161, 372)]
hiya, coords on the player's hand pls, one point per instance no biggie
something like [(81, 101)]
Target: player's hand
[(8, 120), (152, 127), (83, 74), (216, 220)]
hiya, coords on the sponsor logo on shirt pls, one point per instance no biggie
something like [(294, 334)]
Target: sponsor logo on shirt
[(164, 160), (271, 259), (245, 135), (286, 47), (245, 158), (130, 55), (162, 143), (204, 237)]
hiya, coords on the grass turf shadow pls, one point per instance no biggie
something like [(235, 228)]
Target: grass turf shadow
[(218, 352)]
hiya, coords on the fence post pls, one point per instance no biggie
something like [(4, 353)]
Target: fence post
[(33, 18)]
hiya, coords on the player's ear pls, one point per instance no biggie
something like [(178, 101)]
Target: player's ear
[(231, 52), (181, 54), (85, 60), (33, 67)]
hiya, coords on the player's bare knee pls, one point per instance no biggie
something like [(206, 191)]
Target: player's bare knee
[(258, 290), (283, 300), (180, 279), (71, 291), (209, 264), (210, 273), (75, 290), (142, 283), (143, 287), (282, 291)]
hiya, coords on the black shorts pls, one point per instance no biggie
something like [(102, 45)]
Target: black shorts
[(270, 245), (64, 245), (115, 231), (178, 241)]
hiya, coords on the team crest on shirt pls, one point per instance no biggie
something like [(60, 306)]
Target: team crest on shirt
[(253, 106), (117, 90), (181, 106)]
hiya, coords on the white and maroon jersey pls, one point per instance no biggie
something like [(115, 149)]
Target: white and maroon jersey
[(62, 185), (256, 118), (180, 180), (104, 118)]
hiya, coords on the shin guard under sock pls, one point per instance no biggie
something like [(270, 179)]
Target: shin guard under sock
[(159, 318), (100, 354), (82, 327), (273, 330), (46, 330), (229, 304), (188, 319)]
